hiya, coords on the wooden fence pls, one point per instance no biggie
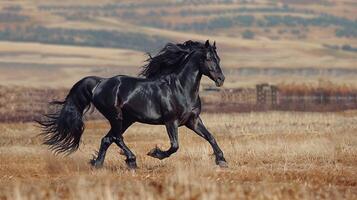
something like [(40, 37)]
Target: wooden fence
[(271, 97), (28, 104)]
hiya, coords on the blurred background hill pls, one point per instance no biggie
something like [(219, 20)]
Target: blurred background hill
[(54, 43)]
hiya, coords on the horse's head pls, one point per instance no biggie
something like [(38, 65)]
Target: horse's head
[(210, 66)]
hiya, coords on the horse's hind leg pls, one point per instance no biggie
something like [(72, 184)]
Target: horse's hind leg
[(118, 127), (109, 105), (105, 143), (109, 139)]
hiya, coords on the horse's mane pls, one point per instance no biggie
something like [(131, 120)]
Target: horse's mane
[(168, 59)]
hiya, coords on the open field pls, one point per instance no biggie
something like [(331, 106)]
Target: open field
[(274, 155), (56, 66)]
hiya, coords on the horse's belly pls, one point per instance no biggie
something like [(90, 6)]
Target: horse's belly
[(143, 113)]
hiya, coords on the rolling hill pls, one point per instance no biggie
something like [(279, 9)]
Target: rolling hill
[(110, 37)]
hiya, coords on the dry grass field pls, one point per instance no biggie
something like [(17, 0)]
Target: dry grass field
[(273, 155)]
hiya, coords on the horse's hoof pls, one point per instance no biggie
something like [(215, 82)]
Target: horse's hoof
[(222, 164), (154, 152), (157, 153), (132, 165), (95, 164)]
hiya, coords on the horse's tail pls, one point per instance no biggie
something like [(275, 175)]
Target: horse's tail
[(62, 129)]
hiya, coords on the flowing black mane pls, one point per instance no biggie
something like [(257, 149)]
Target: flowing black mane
[(168, 58)]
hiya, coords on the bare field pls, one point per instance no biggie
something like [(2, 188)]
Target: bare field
[(62, 65), (273, 155), (36, 53), (57, 66)]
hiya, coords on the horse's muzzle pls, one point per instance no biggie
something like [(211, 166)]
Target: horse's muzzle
[(220, 80)]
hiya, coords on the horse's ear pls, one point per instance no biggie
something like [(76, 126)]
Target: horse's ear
[(207, 44), (214, 44)]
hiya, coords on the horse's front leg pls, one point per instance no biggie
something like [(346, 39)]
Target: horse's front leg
[(198, 127), (172, 130)]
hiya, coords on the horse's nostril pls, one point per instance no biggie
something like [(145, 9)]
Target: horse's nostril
[(221, 78)]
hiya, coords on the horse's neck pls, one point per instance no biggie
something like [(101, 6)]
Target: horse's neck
[(190, 78)]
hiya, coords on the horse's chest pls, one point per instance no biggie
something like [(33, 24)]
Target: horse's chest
[(185, 116)]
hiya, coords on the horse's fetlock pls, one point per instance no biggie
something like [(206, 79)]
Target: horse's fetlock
[(131, 158)]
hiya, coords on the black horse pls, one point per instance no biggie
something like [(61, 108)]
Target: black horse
[(168, 95)]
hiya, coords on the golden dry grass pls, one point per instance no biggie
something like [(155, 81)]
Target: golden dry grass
[(274, 155)]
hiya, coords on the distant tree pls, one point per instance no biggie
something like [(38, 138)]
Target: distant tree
[(13, 8), (281, 31), (295, 32), (247, 34), (244, 20), (260, 23), (346, 47), (220, 22)]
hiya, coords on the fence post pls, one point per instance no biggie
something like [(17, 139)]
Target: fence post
[(274, 96), (261, 96)]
